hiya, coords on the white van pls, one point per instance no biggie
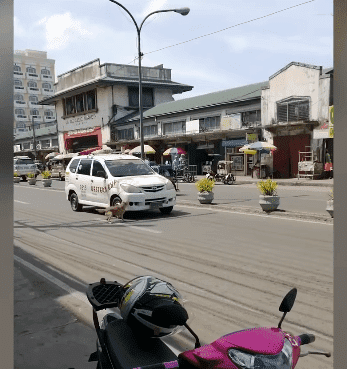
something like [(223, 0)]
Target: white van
[(23, 165), (107, 180)]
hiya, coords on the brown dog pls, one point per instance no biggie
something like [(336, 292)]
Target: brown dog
[(114, 211)]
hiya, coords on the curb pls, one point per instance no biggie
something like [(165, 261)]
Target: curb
[(248, 210), (292, 184)]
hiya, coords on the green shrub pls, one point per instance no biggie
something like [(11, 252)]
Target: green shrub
[(205, 185), (15, 174), (267, 188), (31, 175), (46, 174)]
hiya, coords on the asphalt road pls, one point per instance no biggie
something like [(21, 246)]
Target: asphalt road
[(234, 269)]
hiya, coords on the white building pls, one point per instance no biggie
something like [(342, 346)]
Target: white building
[(91, 96), (34, 77)]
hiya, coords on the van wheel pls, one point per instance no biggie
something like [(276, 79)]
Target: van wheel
[(116, 201), (75, 205), (166, 210)]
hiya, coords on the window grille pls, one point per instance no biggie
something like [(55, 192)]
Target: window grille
[(17, 68), (46, 85), (18, 97), (33, 98), (209, 124), (34, 112), (293, 109), (18, 82), (19, 111), (45, 71), (31, 70), (32, 84)]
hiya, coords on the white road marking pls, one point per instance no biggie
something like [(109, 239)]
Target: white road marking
[(252, 214), (22, 202), (130, 226)]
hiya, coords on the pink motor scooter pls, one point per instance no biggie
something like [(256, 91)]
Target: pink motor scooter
[(254, 348)]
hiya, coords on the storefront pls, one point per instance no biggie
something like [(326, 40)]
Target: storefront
[(82, 139)]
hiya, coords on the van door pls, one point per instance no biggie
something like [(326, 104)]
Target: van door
[(98, 191), (82, 178)]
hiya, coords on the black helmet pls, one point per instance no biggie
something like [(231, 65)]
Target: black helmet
[(152, 307)]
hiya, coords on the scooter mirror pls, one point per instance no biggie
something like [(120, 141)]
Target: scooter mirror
[(288, 301)]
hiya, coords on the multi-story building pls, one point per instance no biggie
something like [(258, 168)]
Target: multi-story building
[(34, 77), (90, 97)]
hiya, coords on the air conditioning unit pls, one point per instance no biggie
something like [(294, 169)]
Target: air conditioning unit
[(38, 147)]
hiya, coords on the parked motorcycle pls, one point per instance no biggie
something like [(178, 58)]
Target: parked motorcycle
[(151, 308)]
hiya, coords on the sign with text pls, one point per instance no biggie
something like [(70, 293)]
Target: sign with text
[(331, 121), (230, 122), (192, 126), (251, 137)]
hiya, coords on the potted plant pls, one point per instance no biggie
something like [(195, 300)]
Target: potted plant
[(330, 204), (205, 186), (268, 199), (16, 178), (46, 178), (31, 178)]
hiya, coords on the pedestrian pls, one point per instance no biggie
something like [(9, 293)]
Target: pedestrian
[(328, 167)]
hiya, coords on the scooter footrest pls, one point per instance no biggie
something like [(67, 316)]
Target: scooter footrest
[(104, 295)]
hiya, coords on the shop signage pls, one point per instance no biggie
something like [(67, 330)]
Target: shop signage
[(80, 119), (251, 137), (235, 143), (80, 131), (231, 122), (192, 126), (331, 121)]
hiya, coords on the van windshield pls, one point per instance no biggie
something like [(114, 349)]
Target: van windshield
[(25, 161), (128, 167)]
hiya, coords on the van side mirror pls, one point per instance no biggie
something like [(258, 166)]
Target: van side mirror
[(101, 174)]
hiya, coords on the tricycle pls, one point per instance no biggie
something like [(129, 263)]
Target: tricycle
[(223, 174)]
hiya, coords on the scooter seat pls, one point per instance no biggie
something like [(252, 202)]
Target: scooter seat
[(128, 351)]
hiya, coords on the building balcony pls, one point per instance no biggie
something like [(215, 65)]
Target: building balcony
[(19, 89), (37, 118), (45, 77), (34, 90), (34, 105), (32, 76), (20, 104), (21, 118), (18, 75), (47, 92), (48, 119)]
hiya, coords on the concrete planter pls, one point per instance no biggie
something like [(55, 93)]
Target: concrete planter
[(32, 181), (330, 208), (47, 182), (205, 197), (269, 203), (16, 179)]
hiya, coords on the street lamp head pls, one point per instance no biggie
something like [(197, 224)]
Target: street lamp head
[(182, 11)]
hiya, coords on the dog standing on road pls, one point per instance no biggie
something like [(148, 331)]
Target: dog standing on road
[(116, 211)]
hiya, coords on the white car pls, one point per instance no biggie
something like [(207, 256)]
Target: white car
[(107, 180), (24, 165)]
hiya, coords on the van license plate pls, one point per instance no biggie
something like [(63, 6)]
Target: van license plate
[(156, 205)]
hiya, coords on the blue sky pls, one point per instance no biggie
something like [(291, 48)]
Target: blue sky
[(74, 32)]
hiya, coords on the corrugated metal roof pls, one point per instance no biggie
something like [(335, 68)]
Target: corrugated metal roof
[(215, 98)]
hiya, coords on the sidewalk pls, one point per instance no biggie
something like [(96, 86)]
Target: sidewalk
[(284, 181)]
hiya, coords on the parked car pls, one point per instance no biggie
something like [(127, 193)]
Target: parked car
[(108, 180), (24, 165)]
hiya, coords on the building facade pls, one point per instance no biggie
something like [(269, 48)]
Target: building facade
[(296, 110), (209, 127), (34, 77), (90, 97)]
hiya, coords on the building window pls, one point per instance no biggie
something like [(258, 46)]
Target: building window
[(174, 128), (80, 103), (293, 109), (55, 142), (251, 118), (34, 112), (17, 68), (31, 70), (125, 134), (32, 84), (33, 99), (19, 112), (18, 97), (45, 143), (209, 124), (147, 97), (18, 82), (45, 71), (26, 145), (46, 85), (150, 130), (20, 125), (48, 113)]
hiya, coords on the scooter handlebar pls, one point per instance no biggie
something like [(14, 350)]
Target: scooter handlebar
[(306, 338)]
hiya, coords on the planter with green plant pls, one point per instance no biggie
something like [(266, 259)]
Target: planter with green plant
[(268, 200), (330, 204), (16, 178), (46, 178), (31, 178), (205, 186)]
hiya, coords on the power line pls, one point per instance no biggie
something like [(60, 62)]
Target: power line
[(236, 25)]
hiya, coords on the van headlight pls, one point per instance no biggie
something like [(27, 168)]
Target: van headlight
[(130, 188), (170, 186)]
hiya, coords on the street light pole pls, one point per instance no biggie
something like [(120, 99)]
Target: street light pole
[(182, 11), (34, 137)]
